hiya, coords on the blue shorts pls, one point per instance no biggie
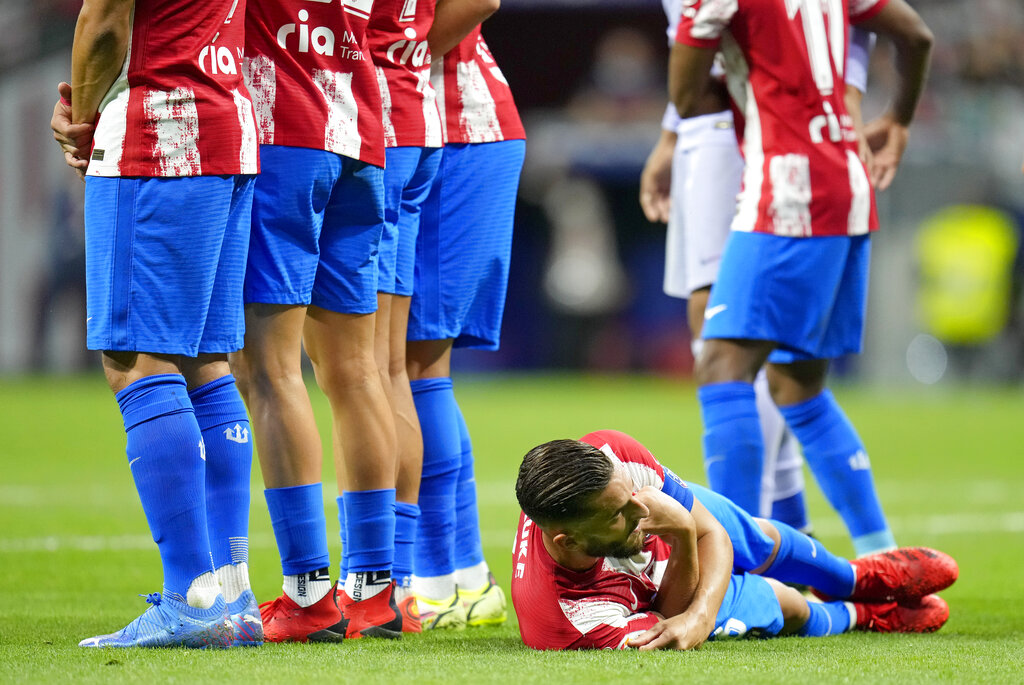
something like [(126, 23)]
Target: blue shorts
[(749, 609), (751, 546), (316, 225), (465, 244), (165, 262), (408, 177), (808, 295)]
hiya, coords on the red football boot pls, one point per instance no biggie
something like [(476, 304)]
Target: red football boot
[(286, 621), (377, 616), (903, 575), (925, 616)]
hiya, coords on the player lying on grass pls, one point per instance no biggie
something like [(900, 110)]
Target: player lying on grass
[(613, 550)]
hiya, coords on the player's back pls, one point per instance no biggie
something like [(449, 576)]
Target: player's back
[(312, 83), (178, 107), (785, 61)]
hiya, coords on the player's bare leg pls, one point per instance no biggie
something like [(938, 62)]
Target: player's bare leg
[(341, 347), (391, 326)]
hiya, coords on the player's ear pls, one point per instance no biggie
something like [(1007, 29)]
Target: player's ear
[(565, 541)]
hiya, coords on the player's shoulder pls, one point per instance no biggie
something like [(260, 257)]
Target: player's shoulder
[(643, 466)]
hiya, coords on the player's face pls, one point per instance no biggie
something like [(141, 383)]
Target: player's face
[(613, 528)]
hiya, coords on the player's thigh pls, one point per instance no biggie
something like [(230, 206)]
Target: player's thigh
[(225, 319), (346, 278), (777, 289), (153, 250), (291, 195), (840, 265), (419, 167), (752, 547), (465, 245), (750, 609)]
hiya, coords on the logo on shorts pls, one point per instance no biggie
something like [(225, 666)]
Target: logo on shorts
[(712, 312)]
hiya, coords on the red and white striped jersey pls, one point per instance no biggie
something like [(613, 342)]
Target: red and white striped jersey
[(473, 96), (602, 607), (397, 37), (785, 61), (312, 82), (179, 106)]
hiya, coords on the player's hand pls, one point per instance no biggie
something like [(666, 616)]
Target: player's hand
[(666, 516), (656, 180), (685, 631), (74, 139), (887, 139)]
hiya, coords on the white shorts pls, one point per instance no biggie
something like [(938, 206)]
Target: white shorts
[(706, 173)]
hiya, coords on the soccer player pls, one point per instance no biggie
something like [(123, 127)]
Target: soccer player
[(397, 38), (792, 285), (691, 180), (613, 550), (169, 180), (312, 279), (462, 262)]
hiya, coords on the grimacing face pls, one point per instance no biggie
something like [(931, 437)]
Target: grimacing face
[(612, 530)]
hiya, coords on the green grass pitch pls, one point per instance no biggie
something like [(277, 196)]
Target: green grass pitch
[(75, 550)]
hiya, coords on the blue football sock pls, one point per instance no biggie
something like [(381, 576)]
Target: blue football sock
[(434, 553), (225, 426), (792, 511), (732, 442), (827, 618), (343, 564), (300, 527), (469, 551), (166, 460), (837, 458), (370, 522), (802, 559), (406, 515)]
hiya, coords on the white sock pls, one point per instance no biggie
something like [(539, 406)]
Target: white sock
[(306, 589), (437, 588), (366, 584), (853, 614), (203, 591), (234, 580), (473, 578)]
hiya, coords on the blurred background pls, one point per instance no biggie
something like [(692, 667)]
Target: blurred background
[(585, 289)]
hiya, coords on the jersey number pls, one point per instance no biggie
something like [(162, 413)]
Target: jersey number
[(822, 40)]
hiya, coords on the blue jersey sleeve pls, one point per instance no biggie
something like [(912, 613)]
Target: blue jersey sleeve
[(675, 488)]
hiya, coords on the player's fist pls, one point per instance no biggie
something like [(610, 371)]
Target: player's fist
[(74, 139), (665, 515)]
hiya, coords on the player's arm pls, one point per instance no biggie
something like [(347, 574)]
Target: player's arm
[(454, 19), (697, 575), (912, 40), (656, 178), (689, 72), (97, 54)]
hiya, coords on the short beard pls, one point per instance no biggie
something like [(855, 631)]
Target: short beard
[(625, 549)]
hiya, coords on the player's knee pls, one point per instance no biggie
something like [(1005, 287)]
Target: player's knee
[(725, 361), (343, 375)]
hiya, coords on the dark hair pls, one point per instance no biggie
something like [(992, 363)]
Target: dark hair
[(558, 480)]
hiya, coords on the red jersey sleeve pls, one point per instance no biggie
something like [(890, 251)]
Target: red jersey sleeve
[(703, 21), (862, 10)]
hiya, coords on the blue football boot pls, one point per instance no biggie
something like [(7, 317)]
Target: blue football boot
[(244, 615), (170, 623)]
